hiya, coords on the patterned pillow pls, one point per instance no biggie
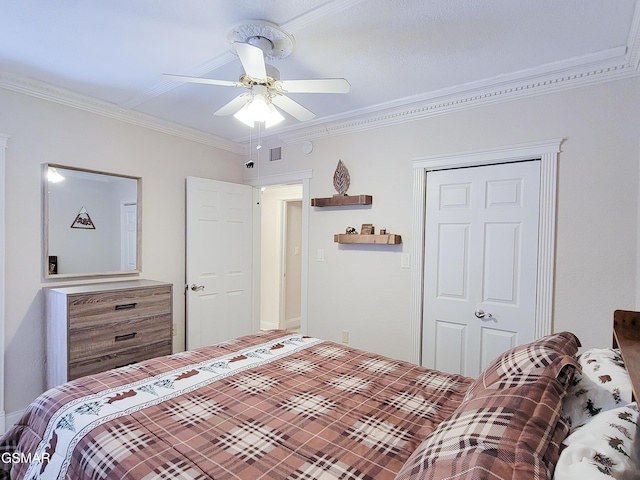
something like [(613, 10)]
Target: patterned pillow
[(603, 384), (499, 433), (602, 449), (525, 363)]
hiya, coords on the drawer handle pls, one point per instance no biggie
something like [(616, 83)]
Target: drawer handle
[(126, 336), (126, 306)]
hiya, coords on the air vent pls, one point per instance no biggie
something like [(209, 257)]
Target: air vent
[(275, 154)]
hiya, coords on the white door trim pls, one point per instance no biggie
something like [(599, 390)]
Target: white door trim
[(304, 177), (547, 152), (3, 147)]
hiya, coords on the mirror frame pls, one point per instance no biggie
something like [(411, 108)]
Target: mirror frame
[(45, 226)]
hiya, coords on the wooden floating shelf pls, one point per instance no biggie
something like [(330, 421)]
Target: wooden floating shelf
[(342, 201), (386, 239)]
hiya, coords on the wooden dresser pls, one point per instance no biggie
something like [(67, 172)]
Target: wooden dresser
[(96, 327)]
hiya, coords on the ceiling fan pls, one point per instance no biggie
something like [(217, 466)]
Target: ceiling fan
[(253, 42)]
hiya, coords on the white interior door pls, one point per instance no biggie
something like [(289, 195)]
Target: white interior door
[(219, 261), (481, 242)]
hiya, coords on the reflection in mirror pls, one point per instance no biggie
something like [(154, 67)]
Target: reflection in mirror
[(91, 223)]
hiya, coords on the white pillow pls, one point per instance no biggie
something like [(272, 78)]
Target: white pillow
[(604, 384), (601, 448)]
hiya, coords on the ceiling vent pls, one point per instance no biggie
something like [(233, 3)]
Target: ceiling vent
[(275, 154)]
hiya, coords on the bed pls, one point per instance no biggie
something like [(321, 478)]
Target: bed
[(279, 405)]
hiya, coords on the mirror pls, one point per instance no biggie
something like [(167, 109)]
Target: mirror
[(91, 223)]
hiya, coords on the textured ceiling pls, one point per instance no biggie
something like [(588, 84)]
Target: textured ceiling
[(392, 53)]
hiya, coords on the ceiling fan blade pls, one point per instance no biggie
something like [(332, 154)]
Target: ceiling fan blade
[(321, 85), (252, 60), (232, 107), (293, 108), (208, 81)]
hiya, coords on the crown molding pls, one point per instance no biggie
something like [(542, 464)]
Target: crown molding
[(61, 96), (615, 64)]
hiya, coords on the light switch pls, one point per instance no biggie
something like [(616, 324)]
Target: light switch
[(321, 254)]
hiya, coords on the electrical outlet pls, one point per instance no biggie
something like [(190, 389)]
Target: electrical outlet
[(174, 329), (345, 336)]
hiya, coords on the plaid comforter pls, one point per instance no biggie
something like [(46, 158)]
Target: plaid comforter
[(268, 406)]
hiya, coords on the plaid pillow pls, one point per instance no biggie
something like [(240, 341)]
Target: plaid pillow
[(508, 433), (526, 363)]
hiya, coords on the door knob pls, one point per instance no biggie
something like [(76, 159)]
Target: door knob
[(482, 314), (197, 288)]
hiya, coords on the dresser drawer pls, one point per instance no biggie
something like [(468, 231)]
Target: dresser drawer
[(94, 327), (121, 358), (99, 338), (94, 308)]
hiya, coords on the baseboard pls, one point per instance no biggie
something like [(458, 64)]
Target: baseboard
[(9, 420), (268, 325), (293, 323)]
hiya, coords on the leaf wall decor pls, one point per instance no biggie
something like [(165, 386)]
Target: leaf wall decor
[(341, 179)]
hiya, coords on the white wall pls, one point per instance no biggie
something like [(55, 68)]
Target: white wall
[(364, 290), (44, 132)]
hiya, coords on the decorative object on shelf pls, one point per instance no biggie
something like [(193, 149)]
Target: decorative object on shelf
[(351, 231), (383, 231), (367, 229), (83, 220), (341, 181), (386, 239), (341, 178)]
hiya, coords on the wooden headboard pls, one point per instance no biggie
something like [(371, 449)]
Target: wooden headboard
[(626, 337)]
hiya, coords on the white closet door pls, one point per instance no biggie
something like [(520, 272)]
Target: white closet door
[(481, 243)]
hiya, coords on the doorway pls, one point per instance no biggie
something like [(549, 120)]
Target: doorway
[(281, 257)]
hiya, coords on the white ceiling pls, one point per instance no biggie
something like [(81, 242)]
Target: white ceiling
[(396, 54)]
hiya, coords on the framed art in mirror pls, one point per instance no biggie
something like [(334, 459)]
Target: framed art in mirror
[(91, 223)]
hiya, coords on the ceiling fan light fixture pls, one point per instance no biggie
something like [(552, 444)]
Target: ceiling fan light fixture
[(244, 116), (259, 109), (274, 118)]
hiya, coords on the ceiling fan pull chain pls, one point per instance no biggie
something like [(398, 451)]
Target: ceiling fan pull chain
[(259, 145)]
